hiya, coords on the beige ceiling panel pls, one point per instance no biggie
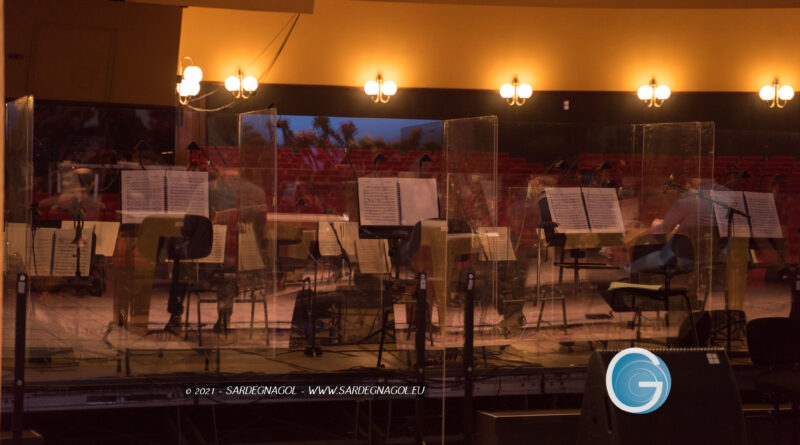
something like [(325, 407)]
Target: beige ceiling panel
[(303, 6), (637, 4), (481, 47)]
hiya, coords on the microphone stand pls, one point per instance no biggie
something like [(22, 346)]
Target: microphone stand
[(731, 211), (79, 214)]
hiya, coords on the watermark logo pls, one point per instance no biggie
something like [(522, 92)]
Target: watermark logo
[(637, 381)]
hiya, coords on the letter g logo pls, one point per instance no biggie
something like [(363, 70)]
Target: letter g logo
[(637, 381)]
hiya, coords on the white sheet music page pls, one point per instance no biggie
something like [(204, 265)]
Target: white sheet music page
[(42, 254), (348, 234), (187, 192), (418, 200), (249, 253), (764, 219), (326, 237), (373, 256), (602, 206), (741, 229), (566, 209), (378, 202), (217, 255), (65, 253), (106, 233), (142, 194)]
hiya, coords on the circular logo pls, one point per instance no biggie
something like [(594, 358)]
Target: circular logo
[(637, 381)]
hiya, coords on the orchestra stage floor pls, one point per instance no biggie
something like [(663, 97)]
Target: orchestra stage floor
[(71, 340)]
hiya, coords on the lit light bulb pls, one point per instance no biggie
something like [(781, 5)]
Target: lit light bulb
[(250, 84), (767, 92), (524, 91), (371, 88), (645, 92), (389, 88), (193, 74), (186, 88), (785, 92), (507, 91), (662, 92), (232, 83)]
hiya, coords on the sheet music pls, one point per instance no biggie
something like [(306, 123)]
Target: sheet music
[(418, 200), (566, 209), (496, 244), (249, 253), (66, 253), (764, 220), (602, 206), (348, 234), (42, 258), (378, 202), (741, 229), (106, 233), (187, 192), (142, 194), (373, 256), (328, 244), (217, 255)]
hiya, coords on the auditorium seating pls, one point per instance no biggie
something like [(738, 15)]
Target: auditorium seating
[(330, 168)]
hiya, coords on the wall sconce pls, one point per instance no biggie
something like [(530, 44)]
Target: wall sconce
[(188, 81), (776, 95), (653, 94), (379, 90), (515, 93), (241, 87)]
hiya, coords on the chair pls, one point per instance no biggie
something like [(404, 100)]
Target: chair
[(245, 287), (774, 343), (657, 254), (183, 238)]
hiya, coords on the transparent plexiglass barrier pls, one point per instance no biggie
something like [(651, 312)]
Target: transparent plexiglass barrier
[(614, 235), (17, 237), (163, 242)]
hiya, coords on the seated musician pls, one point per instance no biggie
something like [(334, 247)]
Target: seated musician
[(695, 217)]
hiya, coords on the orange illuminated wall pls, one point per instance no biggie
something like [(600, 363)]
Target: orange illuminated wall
[(346, 42)]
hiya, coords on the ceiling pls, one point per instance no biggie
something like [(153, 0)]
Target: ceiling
[(435, 45), (634, 4), (303, 6)]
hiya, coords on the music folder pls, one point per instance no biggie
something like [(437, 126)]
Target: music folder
[(397, 201), (149, 192), (763, 221), (56, 251), (585, 210)]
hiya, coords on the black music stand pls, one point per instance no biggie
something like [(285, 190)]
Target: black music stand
[(186, 238), (560, 240)]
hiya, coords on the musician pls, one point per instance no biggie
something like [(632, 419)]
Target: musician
[(695, 217), (234, 201)]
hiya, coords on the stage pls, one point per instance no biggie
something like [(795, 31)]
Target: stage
[(77, 358)]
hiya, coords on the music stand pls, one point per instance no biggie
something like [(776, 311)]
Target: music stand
[(730, 212)]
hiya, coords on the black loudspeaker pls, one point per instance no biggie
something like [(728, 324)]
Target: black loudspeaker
[(703, 405)]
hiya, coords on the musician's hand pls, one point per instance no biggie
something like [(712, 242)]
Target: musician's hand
[(656, 222)]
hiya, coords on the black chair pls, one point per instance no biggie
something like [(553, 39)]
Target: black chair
[(182, 238), (657, 254), (774, 344)]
